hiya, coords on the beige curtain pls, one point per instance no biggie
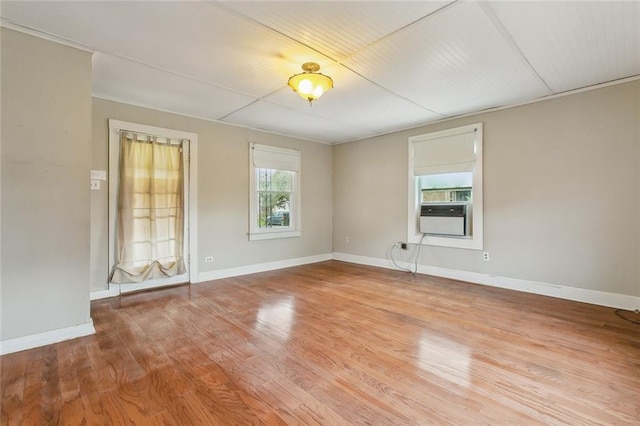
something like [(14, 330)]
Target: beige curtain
[(150, 222)]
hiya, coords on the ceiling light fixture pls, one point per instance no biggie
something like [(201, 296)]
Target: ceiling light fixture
[(310, 84)]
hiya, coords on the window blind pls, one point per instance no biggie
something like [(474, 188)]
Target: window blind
[(269, 157), (444, 154)]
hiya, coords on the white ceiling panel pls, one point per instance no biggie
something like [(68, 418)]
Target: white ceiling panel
[(121, 79), (339, 30), (355, 101), (395, 64), (267, 116), (196, 39), (453, 62), (575, 44)]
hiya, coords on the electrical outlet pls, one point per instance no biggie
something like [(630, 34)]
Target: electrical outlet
[(485, 256), (208, 259), (346, 240)]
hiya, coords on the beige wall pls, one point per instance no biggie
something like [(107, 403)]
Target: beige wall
[(561, 193), (46, 131), (223, 192)]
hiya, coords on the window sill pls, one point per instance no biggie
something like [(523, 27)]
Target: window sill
[(256, 236), (454, 242)]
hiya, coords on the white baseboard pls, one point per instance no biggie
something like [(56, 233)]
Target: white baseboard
[(104, 294), (261, 267), (46, 338), (595, 297)]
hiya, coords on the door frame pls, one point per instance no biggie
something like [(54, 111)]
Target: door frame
[(191, 198)]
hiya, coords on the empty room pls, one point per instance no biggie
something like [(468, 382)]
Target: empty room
[(320, 212)]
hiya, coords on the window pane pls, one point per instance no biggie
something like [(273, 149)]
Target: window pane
[(273, 209), (447, 187), (274, 180)]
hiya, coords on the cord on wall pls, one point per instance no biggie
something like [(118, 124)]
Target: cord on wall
[(404, 246)]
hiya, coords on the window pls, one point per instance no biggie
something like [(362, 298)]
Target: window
[(445, 174), (446, 187), (275, 192)]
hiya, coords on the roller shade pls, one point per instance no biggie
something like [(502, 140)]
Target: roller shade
[(445, 154), (270, 157)]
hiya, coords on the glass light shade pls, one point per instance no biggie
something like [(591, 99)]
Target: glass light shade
[(310, 85)]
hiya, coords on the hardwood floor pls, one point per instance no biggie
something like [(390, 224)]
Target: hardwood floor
[(333, 344)]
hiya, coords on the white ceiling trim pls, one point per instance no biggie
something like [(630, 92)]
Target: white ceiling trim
[(5, 23)]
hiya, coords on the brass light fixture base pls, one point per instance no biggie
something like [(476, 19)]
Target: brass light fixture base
[(310, 67)]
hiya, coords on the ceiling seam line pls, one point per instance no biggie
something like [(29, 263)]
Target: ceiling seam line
[(68, 42), (238, 109), (508, 38), (392, 92), (324, 117), (178, 74), (248, 18), (404, 27), (377, 132)]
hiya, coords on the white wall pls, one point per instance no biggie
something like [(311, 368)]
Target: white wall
[(46, 131), (223, 193), (561, 193)]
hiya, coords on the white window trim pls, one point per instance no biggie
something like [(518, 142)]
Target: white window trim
[(294, 229), (192, 195), (476, 241)]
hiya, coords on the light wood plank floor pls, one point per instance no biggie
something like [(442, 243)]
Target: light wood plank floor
[(333, 344)]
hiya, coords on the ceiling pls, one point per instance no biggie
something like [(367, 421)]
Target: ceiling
[(395, 64)]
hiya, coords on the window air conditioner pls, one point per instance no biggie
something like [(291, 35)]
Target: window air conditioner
[(446, 219)]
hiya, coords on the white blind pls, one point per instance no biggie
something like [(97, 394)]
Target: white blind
[(446, 154), (270, 157)]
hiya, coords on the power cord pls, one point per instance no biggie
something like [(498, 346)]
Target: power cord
[(418, 253), (396, 245), (621, 312)]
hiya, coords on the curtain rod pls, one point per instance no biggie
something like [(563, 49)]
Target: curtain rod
[(149, 135)]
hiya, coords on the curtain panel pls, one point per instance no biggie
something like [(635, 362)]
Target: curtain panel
[(150, 222)]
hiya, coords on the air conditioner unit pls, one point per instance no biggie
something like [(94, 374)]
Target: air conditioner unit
[(446, 219)]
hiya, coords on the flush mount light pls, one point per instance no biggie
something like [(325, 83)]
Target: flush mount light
[(310, 84)]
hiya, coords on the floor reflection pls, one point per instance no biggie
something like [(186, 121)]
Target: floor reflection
[(445, 358), (276, 318)]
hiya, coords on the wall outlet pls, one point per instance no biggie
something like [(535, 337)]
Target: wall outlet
[(208, 259), (485, 256), (346, 240)]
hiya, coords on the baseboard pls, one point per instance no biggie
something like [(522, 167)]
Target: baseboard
[(261, 267), (613, 300), (595, 297), (104, 294), (47, 338)]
